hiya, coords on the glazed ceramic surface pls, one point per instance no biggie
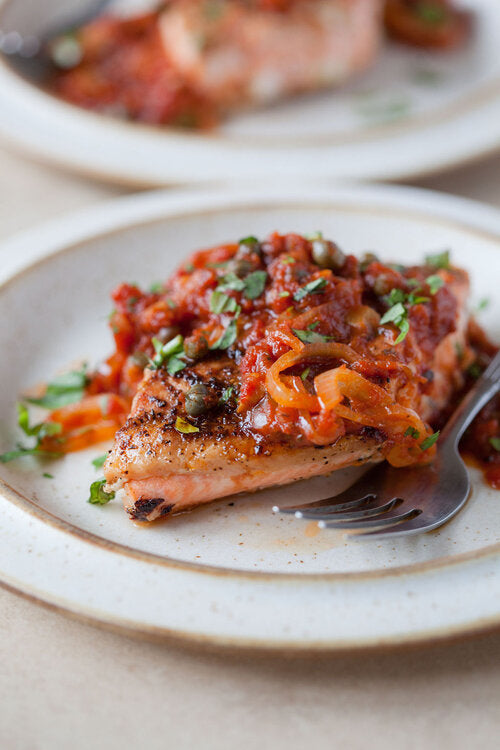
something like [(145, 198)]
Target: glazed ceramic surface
[(231, 572), (412, 113)]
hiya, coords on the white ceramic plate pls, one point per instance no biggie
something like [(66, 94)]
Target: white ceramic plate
[(228, 573), (414, 113)]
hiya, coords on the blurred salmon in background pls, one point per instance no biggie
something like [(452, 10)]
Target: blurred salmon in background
[(256, 52), (190, 62)]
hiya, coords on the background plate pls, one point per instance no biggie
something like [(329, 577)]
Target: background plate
[(229, 573), (413, 113)]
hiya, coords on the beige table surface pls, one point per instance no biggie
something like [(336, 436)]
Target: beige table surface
[(68, 685)]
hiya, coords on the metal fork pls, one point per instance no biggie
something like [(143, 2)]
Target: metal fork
[(28, 52), (396, 502)]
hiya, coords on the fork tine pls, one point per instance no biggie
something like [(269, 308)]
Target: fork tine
[(413, 526), (300, 510), (357, 494), (387, 519), (335, 514)]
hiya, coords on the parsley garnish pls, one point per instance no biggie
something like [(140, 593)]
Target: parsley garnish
[(412, 432), (231, 281), (313, 286), (434, 283), (156, 288), (495, 443), (311, 337), (431, 12), (439, 260), (226, 394), (228, 337), (63, 390), (168, 354), (38, 431), (251, 240), (98, 495), (399, 302), (99, 461), (482, 304), (474, 370), (429, 442), (288, 259), (284, 294), (252, 285), (47, 475), (305, 374), (182, 425), (221, 302)]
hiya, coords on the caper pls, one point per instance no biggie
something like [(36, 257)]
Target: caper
[(383, 284), (366, 260), (139, 358), (167, 333), (195, 347), (240, 266), (327, 254), (199, 399)]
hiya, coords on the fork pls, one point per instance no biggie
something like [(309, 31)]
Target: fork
[(28, 52), (390, 501)]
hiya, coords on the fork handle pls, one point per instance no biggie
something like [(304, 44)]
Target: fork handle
[(483, 391)]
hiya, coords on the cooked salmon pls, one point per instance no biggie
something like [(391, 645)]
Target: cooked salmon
[(348, 391), (232, 52), (164, 471)]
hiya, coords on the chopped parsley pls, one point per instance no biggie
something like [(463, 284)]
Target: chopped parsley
[(439, 260), (226, 394), (495, 443), (38, 431), (47, 475), (483, 304), (63, 390), (229, 336), (156, 288), (99, 461), (252, 285), (288, 259), (98, 495), (397, 314), (434, 283), (168, 355), (429, 442), (311, 288), (221, 302), (399, 303), (284, 294), (475, 370), (311, 337), (305, 374), (182, 425), (249, 241), (431, 12), (412, 432), (231, 281)]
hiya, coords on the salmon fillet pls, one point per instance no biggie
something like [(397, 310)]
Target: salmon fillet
[(234, 53), (164, 471)]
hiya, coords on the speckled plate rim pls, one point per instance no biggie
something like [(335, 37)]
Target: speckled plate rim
[(40, 244), (130, 153)]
